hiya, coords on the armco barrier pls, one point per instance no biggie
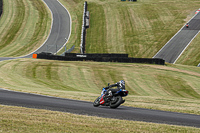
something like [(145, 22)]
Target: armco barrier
[(102, 58)]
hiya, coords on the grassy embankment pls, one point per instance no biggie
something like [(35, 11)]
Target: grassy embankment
[(24, 120), (25, 24), (139, 28), (192, 55)]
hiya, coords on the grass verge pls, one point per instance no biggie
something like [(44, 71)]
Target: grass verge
[(18, 119), (191, 56)]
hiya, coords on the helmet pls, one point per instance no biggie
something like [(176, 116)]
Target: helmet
[(122, 82)]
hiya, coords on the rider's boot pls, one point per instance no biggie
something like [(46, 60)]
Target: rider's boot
[(123, 101), (107, 97)]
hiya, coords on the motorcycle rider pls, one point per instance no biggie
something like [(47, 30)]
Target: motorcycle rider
[(187, 25), (119, 85)]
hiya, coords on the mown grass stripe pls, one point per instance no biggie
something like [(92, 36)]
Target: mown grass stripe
[(39, 30), (96, 34), (177, 87), (19, 17), (29, 26)]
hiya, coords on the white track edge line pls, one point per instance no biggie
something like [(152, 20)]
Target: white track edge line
[(172, 37), (185, 48)]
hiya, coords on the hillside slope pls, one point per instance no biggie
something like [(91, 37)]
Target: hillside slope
[(140, 28), (171, 87)]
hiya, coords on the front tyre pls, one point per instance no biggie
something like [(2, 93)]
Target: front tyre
[(96, 102), (116, 101)]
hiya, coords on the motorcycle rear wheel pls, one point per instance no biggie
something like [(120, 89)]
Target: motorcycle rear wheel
[(96, 102), (117, 101)]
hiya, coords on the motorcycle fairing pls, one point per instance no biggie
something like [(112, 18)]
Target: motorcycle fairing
[(122, 92), (102, 100)]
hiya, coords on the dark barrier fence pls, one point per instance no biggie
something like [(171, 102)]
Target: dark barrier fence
[(101, 58), (85, 25), (1, 7)]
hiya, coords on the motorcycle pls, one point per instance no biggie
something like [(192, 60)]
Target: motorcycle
[(187, 25), (115, 101)]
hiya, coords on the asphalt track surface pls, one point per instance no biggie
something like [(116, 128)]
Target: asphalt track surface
[(86, 108), (59, 31), (179, 42)]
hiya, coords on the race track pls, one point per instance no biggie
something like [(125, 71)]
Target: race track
[(86, 108), (60, 31), (179, 42)]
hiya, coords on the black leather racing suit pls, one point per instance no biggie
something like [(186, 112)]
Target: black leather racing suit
[(118, 85)]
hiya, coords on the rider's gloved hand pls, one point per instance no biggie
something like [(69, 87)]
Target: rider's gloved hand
[(107, 87)]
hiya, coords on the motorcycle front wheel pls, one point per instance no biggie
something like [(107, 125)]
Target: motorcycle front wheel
[(96, 102), (115, 102)]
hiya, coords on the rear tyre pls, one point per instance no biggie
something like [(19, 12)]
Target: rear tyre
[(96, 102), (116, 102)]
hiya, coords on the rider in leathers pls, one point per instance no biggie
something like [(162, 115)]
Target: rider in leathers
[(119, 85)]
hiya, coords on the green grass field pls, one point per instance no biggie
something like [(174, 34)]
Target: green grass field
[(17, 119), (25, 25), (191, 56), (137, 28), (140, 28)]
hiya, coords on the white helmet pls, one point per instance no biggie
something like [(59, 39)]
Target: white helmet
[(122, 82)]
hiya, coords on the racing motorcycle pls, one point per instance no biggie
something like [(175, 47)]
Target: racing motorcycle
[(115, 101)]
